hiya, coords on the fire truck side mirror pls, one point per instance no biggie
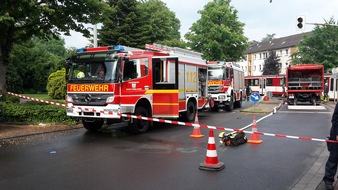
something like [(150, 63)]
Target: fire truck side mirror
[(66, 65), (119, 70)]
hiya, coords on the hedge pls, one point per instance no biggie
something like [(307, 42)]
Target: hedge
[(35, 112)]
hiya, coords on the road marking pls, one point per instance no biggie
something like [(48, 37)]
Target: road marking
[(243, 128), (303, 112), (306, 107)]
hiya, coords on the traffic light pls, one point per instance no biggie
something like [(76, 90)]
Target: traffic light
[(300, 22)]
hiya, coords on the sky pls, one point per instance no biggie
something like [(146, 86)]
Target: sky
[(259, 16)]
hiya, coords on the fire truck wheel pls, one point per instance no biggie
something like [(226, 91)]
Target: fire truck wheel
[(239, 103), (140, 125), (92, 125), (230, 107), (214, 109), (190, 114)]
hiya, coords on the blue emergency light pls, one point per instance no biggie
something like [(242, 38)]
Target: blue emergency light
[(80, 50), (119, 48), (105, 48)]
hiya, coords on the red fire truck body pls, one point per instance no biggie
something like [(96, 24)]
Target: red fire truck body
[(161, 82), (305, 83), (225, 85)]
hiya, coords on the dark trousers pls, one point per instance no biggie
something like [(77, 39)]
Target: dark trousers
[(331, 166)]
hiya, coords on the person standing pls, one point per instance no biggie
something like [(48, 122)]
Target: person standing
[(283, 87), (332, 162), (326, 92), (248, 92)]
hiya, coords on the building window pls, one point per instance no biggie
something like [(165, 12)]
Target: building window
[(286, 52), (260, 67)]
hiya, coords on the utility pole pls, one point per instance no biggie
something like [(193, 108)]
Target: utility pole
[(95, 35)]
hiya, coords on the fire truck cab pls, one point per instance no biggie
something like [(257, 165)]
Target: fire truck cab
[(160, 81), (225, 85)]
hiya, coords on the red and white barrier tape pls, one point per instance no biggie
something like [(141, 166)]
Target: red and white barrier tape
[(185, 123), (36, 99), (226, 129)]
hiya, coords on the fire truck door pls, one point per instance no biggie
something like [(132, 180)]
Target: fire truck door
[(165, 87), (135, 81), (262, 85)]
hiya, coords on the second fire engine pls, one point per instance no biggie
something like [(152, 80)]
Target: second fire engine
[(225, 85)]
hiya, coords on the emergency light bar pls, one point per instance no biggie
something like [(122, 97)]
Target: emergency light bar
[(105, 48)]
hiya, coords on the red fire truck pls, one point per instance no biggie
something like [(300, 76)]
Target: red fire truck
[(160, 81), (225, 85), (305, 83)]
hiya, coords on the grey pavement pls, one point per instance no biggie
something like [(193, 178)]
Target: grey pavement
[(313, 179)]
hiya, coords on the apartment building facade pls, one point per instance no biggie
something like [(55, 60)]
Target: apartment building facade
[(258, 52)]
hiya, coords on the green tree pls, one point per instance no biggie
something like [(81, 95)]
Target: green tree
[(321, 47), (271, 64), (268, 37), (218, 34), (138, 23), (14, 80), (174, 43), (33, 61), (164, 26), (22, 20), (124, 26)]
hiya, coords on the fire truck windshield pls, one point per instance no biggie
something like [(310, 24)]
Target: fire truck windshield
[(216, 73), (97, 71)]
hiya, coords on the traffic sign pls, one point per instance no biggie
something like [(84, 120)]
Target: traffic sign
[(255, 97)]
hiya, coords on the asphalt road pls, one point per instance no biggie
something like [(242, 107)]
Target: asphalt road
[(166, 157)]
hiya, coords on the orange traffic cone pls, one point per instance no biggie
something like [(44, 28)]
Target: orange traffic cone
[(196, 132), (211, 162), (254, 138)]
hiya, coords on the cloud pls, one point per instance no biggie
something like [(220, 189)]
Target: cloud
[(76, 39)]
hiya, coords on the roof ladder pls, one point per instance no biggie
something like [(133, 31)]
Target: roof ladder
[(174, 50)]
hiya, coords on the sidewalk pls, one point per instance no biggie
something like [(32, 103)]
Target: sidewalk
[(313, 179)]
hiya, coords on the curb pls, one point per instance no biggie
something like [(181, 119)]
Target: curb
[(249, 110)]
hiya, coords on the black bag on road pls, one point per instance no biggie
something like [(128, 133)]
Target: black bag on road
[(233, 139)]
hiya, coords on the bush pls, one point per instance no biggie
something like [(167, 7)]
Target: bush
[(57, 85), (11, 99), (34, 113)]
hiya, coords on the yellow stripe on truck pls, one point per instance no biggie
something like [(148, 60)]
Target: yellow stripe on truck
[(161, 91)]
